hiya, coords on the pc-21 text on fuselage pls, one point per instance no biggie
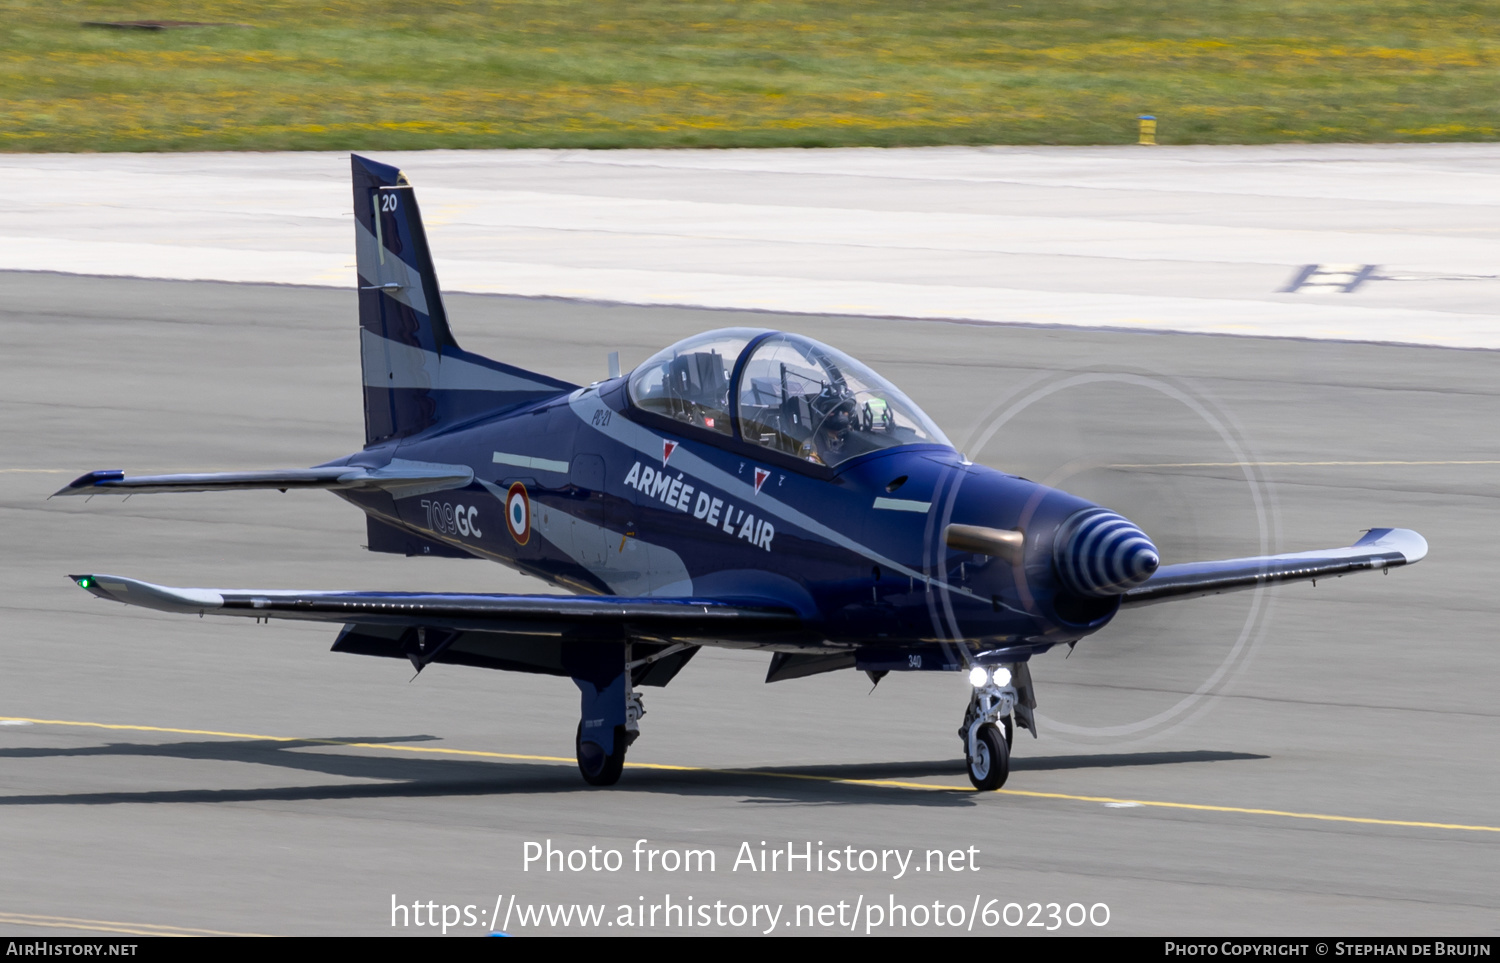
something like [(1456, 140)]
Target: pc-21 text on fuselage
[(742, 488)]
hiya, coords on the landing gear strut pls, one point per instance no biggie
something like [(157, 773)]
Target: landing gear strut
[(986, 746), (611, 710)]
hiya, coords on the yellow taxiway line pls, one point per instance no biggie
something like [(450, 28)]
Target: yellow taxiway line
[(881, 783)]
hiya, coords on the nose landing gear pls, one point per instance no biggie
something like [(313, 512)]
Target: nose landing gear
[(989, 761), (986, 747)]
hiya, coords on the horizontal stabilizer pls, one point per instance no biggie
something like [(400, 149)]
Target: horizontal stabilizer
[(1380, 548), (400, 478), (675, 618)]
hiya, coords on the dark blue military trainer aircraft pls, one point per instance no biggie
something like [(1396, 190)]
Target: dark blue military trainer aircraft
[(743, 488)]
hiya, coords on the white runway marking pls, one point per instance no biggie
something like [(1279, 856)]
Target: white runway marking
[(1196, 239)]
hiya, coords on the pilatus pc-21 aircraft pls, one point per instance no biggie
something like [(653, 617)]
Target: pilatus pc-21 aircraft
[(742, 488)]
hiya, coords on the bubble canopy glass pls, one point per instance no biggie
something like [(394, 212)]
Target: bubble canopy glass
[(794, 395)]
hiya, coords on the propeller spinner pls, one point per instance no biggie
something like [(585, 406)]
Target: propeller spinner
[(1096, 553), (1101, 553)]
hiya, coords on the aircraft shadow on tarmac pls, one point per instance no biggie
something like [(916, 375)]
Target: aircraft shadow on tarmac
[(427, 776), (949, 767)]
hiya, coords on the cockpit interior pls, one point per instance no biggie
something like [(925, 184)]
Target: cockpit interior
[(783, 392)]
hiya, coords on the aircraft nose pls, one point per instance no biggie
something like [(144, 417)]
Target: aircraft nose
[(1101, 553)]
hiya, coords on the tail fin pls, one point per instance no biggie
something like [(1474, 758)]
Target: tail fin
[(415, 374)]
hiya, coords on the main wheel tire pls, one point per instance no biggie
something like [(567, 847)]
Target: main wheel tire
[(597, 767), (988, 769)]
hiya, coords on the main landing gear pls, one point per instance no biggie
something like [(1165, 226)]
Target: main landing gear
[(599, 767), (611, 708), (987, 729)]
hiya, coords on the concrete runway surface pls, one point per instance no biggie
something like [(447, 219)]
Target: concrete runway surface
[(1313, 760), (1396, 243)]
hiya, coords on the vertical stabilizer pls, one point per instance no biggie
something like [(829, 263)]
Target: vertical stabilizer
[(415, 375)]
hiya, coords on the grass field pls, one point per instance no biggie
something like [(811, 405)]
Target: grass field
[(335, 74)]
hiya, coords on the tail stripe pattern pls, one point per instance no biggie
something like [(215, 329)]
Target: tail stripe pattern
[(416, 377), (390, 275)]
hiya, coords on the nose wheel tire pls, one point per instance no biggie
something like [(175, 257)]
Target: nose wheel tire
[(598, 767), (990, 763)]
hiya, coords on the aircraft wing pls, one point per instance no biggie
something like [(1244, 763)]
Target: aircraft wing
[(399, 477), (1380, 548), (706, 620)]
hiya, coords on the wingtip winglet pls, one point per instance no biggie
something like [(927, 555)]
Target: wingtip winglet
[(90, 480), (90, 584), (1411, 545), (163, 598)]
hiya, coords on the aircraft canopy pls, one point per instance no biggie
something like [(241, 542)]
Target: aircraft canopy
[(792, 394)]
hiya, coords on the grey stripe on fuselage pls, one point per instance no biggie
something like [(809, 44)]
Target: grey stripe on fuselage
[(586, 401), (902, 505), (529, 461), (588, 545), (388, 270), (415, 367)]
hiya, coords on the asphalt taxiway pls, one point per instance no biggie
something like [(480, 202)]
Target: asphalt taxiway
[(1319, 760)]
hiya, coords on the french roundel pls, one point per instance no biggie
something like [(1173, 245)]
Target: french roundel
[(518, 513)]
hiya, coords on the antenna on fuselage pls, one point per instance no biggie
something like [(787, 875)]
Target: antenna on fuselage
[(614, 364)]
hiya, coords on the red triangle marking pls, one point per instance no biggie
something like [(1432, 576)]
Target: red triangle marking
[(667, 447), (760, 478)]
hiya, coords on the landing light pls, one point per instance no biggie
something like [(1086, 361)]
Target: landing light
[(979, 675)]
